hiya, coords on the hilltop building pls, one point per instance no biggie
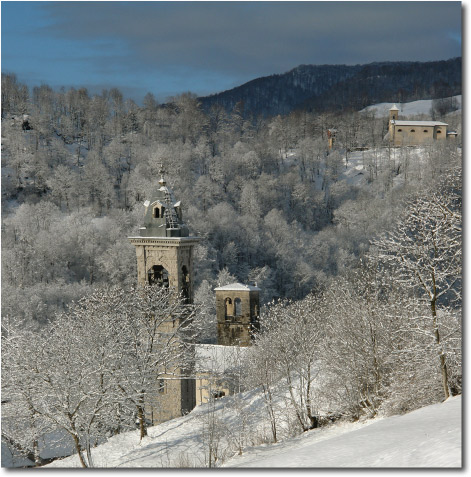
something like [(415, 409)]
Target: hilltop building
[(414, 133)]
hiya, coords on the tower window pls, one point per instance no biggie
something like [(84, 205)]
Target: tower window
[(439, 132), (159, 212), (157, 275), (229, 309), (238, 306)]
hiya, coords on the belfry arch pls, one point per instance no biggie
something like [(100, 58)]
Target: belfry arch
[(185, 283), (158, 275), (228, 308)]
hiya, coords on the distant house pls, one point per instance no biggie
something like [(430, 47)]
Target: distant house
[(414, 133)]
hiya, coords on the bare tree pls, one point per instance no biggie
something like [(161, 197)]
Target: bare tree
[(424, 253)]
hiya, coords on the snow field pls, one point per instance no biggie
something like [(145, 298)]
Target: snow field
[(428, 437)]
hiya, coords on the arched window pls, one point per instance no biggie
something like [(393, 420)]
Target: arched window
[(412, 130), (425, 130), (159, 212), (229, 309), (399, 130), (158, 275), (238, 306), (438, 131)]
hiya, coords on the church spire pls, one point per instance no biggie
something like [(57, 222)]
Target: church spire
[(163, 217)]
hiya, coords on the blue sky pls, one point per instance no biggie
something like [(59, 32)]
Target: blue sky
[(205, 47)]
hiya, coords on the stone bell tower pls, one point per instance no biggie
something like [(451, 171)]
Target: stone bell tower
[(238, 311), (164, 252)]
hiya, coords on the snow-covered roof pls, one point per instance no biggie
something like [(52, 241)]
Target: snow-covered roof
[(238, 287), (217, 359), (394, 108), (418, 123)]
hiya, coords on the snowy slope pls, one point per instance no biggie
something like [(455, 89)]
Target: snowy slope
[(407, 109), (427, 437)]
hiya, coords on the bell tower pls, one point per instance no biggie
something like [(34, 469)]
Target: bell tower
[(238, 311), (393, 116), (394, 113), (164, 249), (164, 252)]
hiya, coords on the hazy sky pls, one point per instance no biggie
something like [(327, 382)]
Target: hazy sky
[(205, 47)]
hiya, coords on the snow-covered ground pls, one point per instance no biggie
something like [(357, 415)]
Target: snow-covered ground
[(428, 437), (407, 109)]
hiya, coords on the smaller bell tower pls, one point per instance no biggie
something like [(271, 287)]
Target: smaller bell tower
[(394, 113), (393, 117), (238, 312)]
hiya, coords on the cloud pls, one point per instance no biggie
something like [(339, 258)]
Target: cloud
[(209, 46), (254, 37)]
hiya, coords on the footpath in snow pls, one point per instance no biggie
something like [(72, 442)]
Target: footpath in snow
[(427, 437)]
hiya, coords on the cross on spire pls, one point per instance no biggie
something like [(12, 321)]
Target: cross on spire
[(162, 172)]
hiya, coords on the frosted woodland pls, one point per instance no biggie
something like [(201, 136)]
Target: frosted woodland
[(356, 250)]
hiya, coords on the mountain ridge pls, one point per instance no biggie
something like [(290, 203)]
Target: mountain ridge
[(340, 87)]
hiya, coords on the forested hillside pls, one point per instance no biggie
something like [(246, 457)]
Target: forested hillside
[(361, 244), (341, 87), (272, 205)]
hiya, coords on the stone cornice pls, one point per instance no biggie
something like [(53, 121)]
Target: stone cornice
[(164, 240)]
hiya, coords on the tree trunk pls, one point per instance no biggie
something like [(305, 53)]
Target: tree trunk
[(312, 419), (78, 447), (141, 418), (443, 367)]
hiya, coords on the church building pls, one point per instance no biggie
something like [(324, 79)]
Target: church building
[(164, 252), (415, 133)]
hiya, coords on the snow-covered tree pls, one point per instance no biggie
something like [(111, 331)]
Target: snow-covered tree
[(91, 370), (423, 253)]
